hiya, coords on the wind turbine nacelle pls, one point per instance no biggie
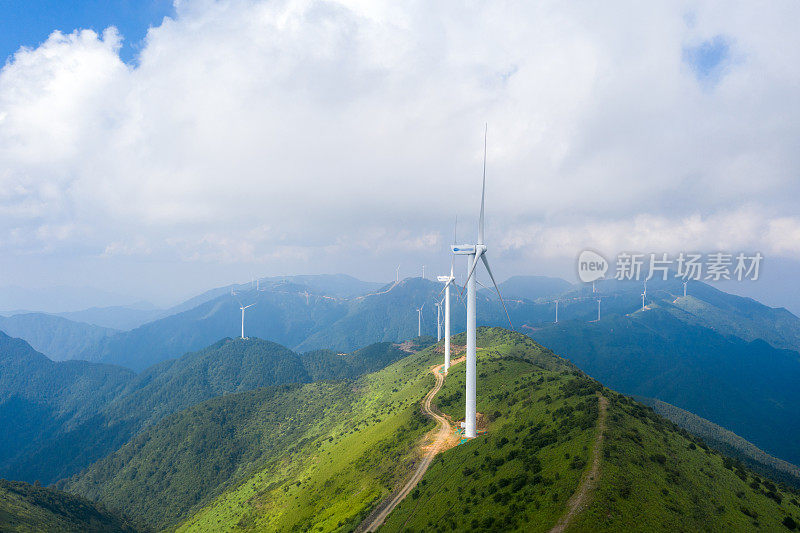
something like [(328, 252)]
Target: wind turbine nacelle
[(443, 279), (464, 249)]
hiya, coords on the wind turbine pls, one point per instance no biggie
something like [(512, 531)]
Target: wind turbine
[(419, 320), (644, 294), (475, 252), (598, 309), (423, 271), (448, 280), (684, 288), (556, 311), (243, 307), (397, 274)]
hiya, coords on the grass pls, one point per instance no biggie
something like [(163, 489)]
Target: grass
[(657, 477), (521, 473), (336, 478)]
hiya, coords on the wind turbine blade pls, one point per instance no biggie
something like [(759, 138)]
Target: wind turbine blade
[(489, 270), (471, 270), (483, 191)]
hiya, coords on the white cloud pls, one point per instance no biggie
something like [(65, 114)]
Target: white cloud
[(352, 126)]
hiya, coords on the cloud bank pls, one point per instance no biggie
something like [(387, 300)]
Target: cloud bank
[(311, 135)]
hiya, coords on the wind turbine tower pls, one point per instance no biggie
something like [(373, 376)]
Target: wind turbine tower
[(423, 271), (644, 294), (243, 307), (598, 309), (397, 274), (473, 253), (684, 288), (419, 320), (448, 280), (556, 311)]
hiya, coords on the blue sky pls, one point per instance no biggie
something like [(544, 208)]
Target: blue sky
[(708, 59), (29, 22)]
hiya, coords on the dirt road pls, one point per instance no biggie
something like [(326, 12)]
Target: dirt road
[(444, 436), (581, 497)]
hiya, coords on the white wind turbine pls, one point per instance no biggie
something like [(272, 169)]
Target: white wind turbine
[(684, 288), (598, 309), (397, 274), (448, 280), (475, 252), (419, 320), (556, 311), (423, 271), (243, 307), (644, 294)]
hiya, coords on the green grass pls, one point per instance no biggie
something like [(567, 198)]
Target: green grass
[(523, 471), (657, 477), (338, 476)]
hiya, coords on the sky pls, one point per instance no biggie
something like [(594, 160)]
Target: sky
[(156, 150)]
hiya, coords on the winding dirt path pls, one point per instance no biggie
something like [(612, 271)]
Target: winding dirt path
[(582, 496), (443, 439)]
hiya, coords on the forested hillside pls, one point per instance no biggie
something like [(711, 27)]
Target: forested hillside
[(68, 415), (26, 508)]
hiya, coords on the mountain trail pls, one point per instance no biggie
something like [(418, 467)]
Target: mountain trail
[(445, 438), (582, 496)]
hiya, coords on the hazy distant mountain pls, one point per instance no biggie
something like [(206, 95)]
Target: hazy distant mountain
[(56, 299), (118, 317), (57, 337), (530, 287)]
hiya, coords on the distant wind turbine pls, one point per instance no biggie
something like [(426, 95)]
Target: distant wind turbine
[(644, 294), (556, 311), (448, 280), (475, 252), (397, 274), (419, 320), (684, 288), (598, 309), (423, 271), (243, 307)]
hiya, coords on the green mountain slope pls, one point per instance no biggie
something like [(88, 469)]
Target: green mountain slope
[(321, 456), (26, 508), (227, 366), (67, 415), (41, 400), (186, 460), (57, 337), (728, 442), (746, 387), (653, 476)]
